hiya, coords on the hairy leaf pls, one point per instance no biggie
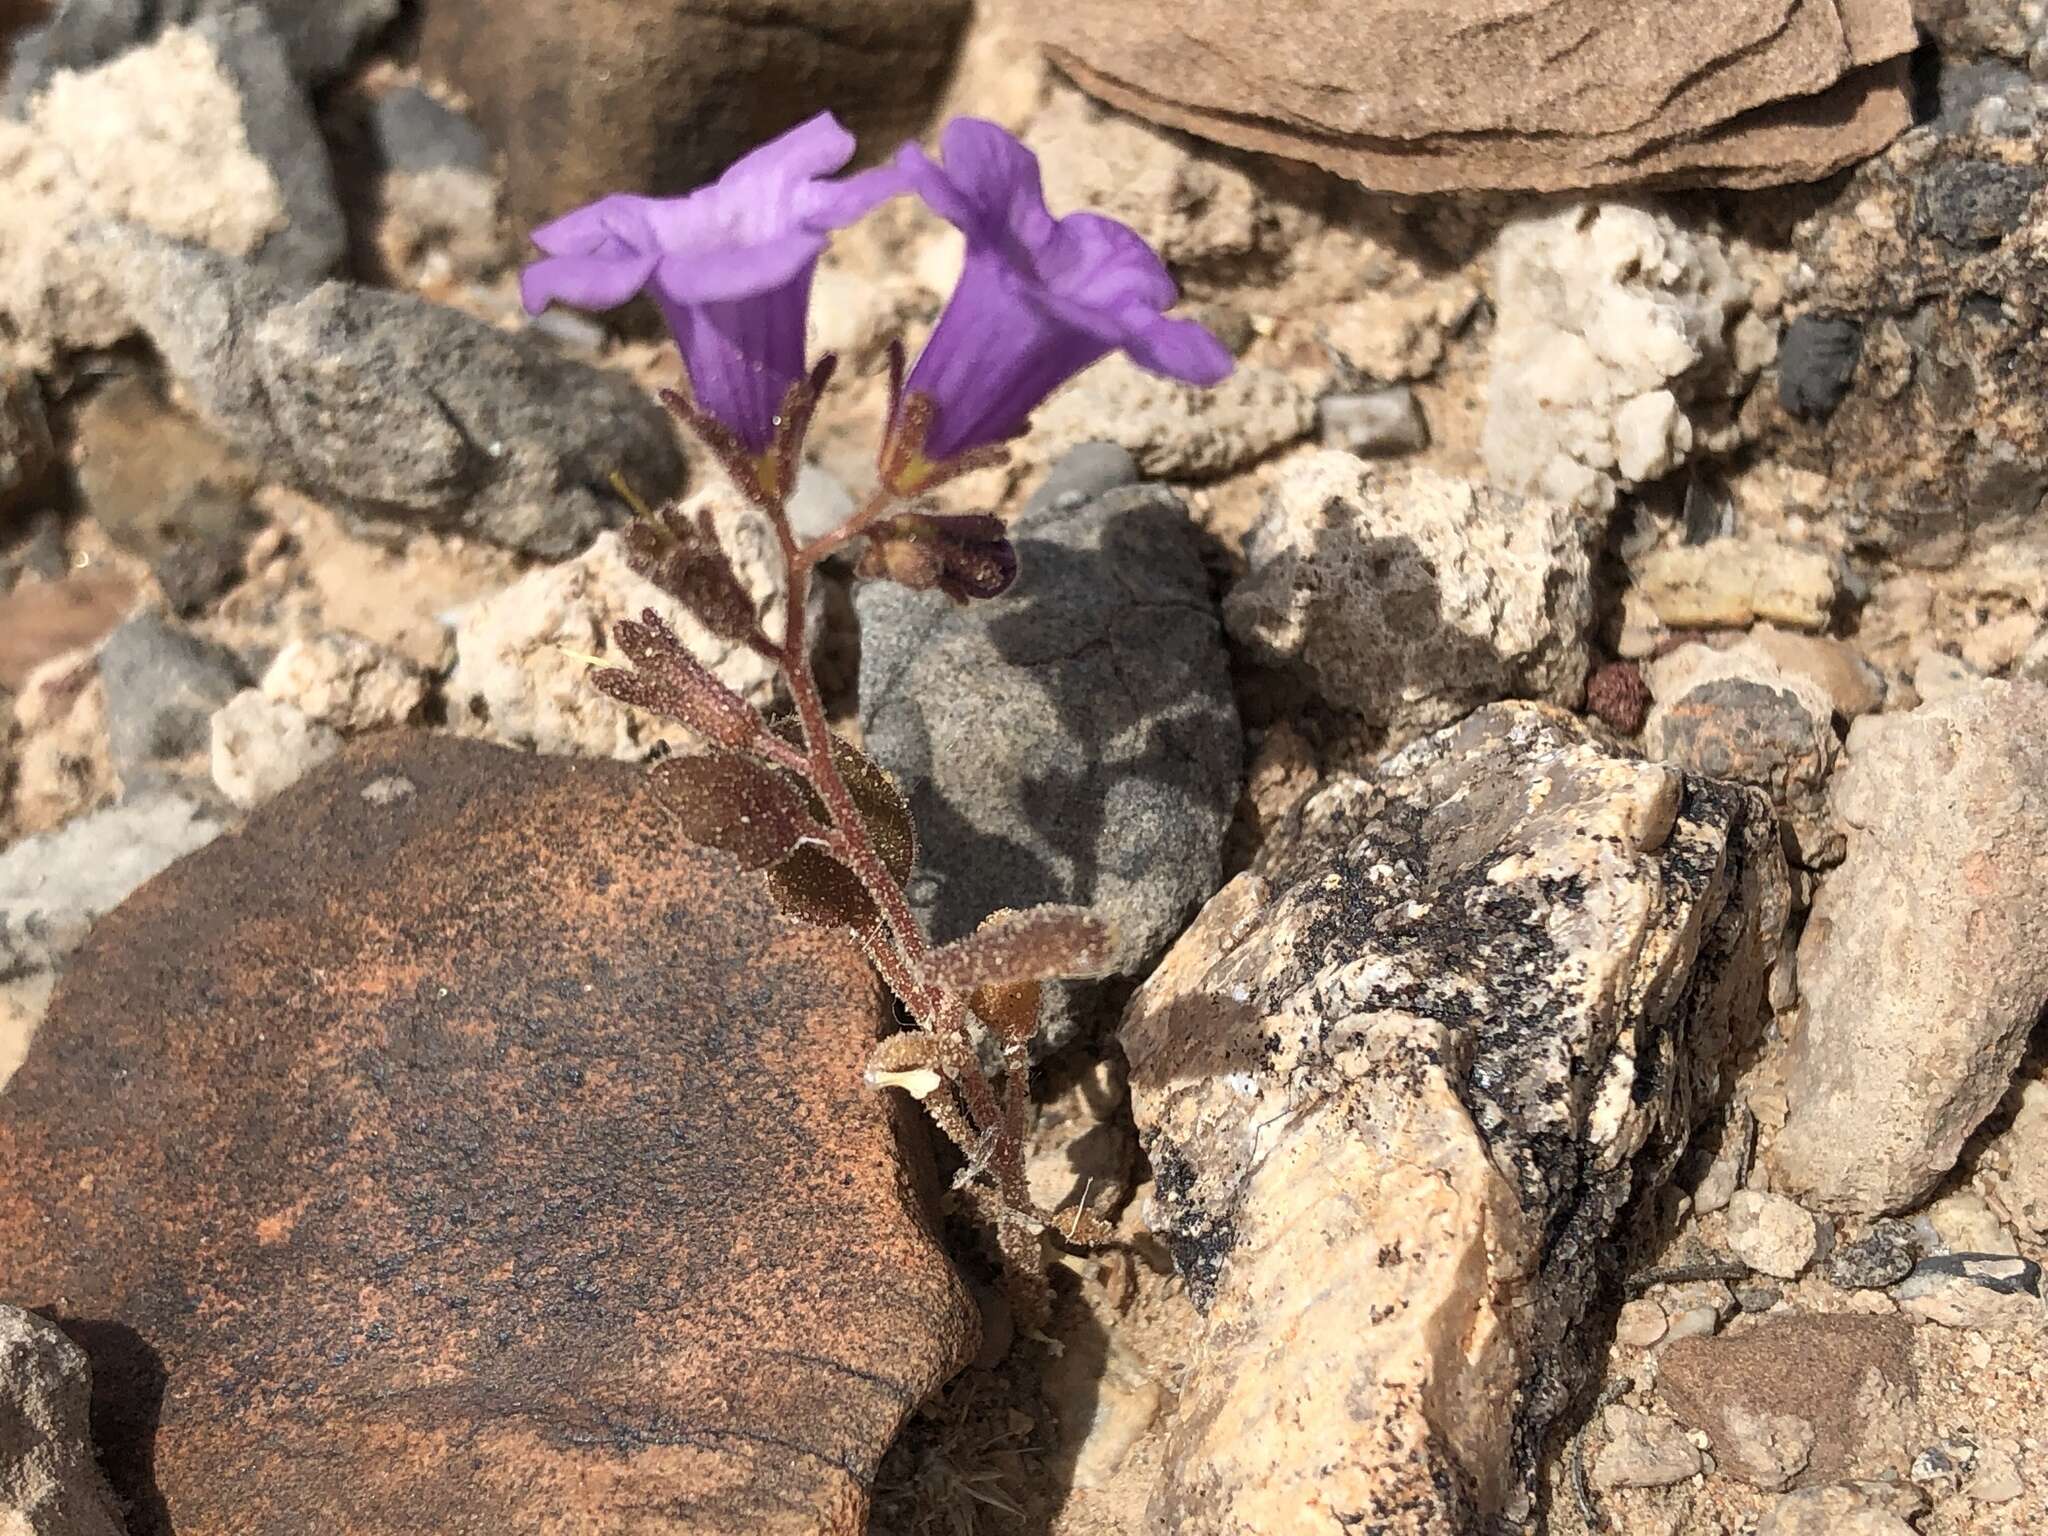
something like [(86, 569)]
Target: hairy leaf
[(1034, 945), (747, 809), (1009, 1008), (814, 887), (667, 680), (880, 803)]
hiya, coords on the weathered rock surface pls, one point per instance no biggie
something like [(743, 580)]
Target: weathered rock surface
[(54, 886), (1934, 253), (1844, 1510), (1072, 741), (397, 407), (27, 454), (1733, 714), (1613, 322), (519, 677), (261, 746), (201, 136), (1411, 598), (318, 40), (41, 620), (1643, 1450), (1925, 963), (1398, 1084), (1419, 96), (1800, 1400), (162, 684), (451, 1150), (62, 765), (589, 96), (2014, 1162), (348, 682), (1174, 430), (1734, 582), (49, 1483)]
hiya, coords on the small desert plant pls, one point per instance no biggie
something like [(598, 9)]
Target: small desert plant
[(1039, 299)]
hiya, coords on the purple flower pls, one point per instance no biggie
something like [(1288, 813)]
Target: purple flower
[(1039, 300), (730, 265)]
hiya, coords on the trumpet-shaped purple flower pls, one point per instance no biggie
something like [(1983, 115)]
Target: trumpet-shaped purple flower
[(730, 264), (1039, 299)]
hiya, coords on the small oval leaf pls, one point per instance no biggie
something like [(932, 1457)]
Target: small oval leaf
[(813, 887), (1035, 945), (744, 808), (1008, 1008), (880, 803)]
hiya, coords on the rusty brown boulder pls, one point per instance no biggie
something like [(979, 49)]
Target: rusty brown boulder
[(1420, 96), (452, 1151)]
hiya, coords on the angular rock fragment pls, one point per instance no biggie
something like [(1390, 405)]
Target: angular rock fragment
[(1398, 1084), (451, 1150), (1411, 598), (396, 407), (1074, 741), (1423, 96), (50, 1485), (1925, 963)]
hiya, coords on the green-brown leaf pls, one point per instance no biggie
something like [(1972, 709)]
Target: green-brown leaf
[(1035, 945), (746, 809)]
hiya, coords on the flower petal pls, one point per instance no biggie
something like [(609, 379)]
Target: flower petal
[(588, 282), (1179, 349), (735, 272)]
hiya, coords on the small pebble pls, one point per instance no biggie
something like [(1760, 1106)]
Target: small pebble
[(1771, 1233), (1692, 1323), (1757, 1298), (1376, 423), (1882, 1256), (1640, 1324)]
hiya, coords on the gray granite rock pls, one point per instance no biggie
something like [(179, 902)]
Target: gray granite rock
[(415, 132), (396, 407), (163, 684), (1399, 1084), (1074, 740), (50, 1485)]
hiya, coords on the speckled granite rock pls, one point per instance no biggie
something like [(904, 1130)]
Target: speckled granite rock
[(50, 1485), (1398, 1084), (450, 1150), (1075, 740)]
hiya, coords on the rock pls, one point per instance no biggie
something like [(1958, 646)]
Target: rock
[(1379, 423), (1410, 598), (346, 681), (1643, 1450), (1994, 1479), (27, 455), (1081, 1147), (201, 136), (1457, 1017), (1617, 694), (166, 489), (1799, 1398), (1693, 1323), (318, 40), (1730, 583), (163, 684), (1074, 741), (1986, 1291), (1853, 685), (1611, 323), (587, 98), (1925, 962), (1816, 360), (1930, 252), (54, 886), (1174, 430), (1757, 1298), (1962, 1221), (1641, 1323), (1432, 98), (1106, 1401), (1967, 27), (1734, 715), (438, 220), (1877, 1259), (23, 1002), (414, 132), (1937, 675), (397, 407), (519, 677), (62, 767), (2014, 1163), (1837, 1511), (262, 746), (49, 1483), (1771, 1234), (41, 620), (569, 1126)]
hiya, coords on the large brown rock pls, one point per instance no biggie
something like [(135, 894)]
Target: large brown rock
[(452, 1151), (586, 97), (1423, 96)]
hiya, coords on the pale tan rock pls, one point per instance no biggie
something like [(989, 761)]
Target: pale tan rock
[(345, 681), (1994, 1477), (1925, 963), (520, 677), (1729, 583), (1853, 685), (23, 1002), (1173, 430), (1771, 1234), (62, 766), (1843, 1510), (1418, 96), (2014, 1163), (50, 1482), (1411, 598), (262, 746), (1641, 1323), (1643, 1450), (1360, 1133), (1106, 1400), (1606, 314), (156, 137), (1965, 1223)]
